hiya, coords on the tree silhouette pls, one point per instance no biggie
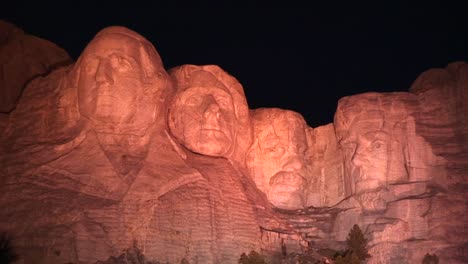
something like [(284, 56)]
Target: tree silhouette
[(252, 258), (7, 254), (348, 258), (357, 243)]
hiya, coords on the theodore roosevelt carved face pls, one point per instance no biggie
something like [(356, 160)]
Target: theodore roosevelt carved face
[(276, 160)]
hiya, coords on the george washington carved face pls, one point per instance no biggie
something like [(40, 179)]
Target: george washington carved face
[(119, 77)]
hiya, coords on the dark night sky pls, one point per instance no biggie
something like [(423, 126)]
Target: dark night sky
[(301, 59)]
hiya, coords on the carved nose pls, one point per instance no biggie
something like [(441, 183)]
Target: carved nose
[(358, 158), (104, 73), (211, 109), (293, 164)]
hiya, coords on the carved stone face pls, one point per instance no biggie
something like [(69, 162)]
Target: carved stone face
[(277, 159), (112, 82), (205, 120), (373, 156)]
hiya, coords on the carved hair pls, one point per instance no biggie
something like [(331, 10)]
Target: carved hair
[(264, 117)]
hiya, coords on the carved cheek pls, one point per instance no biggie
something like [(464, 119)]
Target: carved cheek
[(227, 120), (87, 94)]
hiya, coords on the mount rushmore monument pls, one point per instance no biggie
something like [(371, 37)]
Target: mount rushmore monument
[(114, 151)]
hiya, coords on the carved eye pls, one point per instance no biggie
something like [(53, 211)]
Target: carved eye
[(223, 102), (269, 141), (301, 148), (349, 147), (91, 65), (120, 63), (193, 101), (378, 145), (277, 151)]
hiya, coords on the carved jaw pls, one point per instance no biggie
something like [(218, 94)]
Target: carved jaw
[(365, 181), (286, 190)]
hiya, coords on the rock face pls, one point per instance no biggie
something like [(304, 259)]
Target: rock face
[(22, 58), (114, 154), (92, 169), (326, 182), (405, 160)]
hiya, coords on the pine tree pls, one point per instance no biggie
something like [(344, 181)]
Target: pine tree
[(354, 259), (340, 260), (347, 257), (357, 243)]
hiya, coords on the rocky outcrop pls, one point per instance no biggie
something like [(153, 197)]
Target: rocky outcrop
[(402, 209), (90, 176), (24, 57), (113, 156), (326, 178)]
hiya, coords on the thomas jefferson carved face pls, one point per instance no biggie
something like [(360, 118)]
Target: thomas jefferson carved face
[(115, 82), (204, 119), (277, 159)]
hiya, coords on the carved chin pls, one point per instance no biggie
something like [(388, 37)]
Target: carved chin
[(211, 148), (210, 145), (285, 199)]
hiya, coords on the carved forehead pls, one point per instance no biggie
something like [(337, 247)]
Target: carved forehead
[(202, 91), (199, 81), (376, 107), (287, 126), (124, 41), (212, 77), (276, 118), (105, 44)]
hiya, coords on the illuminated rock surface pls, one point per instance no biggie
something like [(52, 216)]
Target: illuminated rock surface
[(114, 153), (406, 163), (91, 168), (24, 57)]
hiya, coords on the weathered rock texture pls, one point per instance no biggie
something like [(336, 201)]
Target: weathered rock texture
[(24, 57), (113, 154), (326, 182), (90, 168), (406, 163)]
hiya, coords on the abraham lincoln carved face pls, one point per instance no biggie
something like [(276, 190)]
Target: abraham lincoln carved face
[(371, 133)]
